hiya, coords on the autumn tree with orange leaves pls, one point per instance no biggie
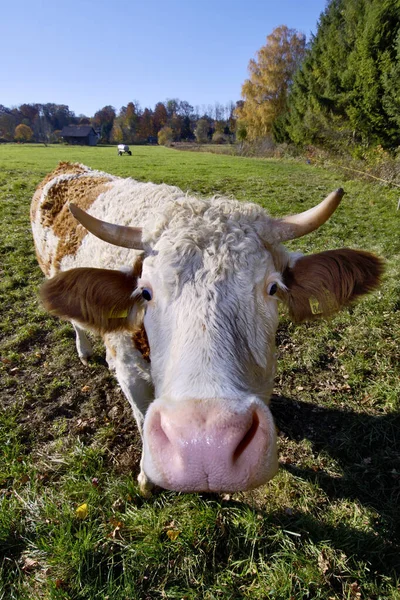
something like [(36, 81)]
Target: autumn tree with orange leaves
[(265, 92), (23, 133)]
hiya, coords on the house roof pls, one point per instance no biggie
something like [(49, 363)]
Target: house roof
[(77, 130)]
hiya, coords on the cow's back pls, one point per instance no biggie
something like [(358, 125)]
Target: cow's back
[(62, 243), (56, 233)]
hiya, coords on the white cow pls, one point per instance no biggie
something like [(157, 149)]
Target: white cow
[(186, 299)]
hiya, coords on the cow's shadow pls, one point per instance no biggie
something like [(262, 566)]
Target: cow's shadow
[(366, 447), (367, 450)]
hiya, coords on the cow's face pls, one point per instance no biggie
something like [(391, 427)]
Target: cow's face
[(211, 317), (209, 304)]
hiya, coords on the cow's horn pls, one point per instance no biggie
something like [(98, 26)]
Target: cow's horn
[(119, 235), (295, 226)]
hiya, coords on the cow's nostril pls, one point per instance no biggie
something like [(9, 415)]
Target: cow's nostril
[(247, 438), (158, 430)]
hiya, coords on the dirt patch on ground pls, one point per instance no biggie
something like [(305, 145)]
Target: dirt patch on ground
[(58, 399)]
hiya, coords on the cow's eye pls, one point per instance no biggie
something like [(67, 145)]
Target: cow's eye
[(147, 294), (272, 288)]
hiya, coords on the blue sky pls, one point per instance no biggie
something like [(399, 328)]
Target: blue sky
[(89, 53)]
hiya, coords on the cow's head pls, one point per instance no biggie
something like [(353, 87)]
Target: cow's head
[(207, 293)]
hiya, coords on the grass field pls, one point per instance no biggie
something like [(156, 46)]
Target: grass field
[(72, 523)]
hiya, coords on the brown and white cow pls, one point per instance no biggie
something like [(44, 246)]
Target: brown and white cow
[(186, 299)]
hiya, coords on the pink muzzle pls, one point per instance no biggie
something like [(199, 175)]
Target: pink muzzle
[(209, 445)]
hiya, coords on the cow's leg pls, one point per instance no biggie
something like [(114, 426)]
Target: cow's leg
[(83, 345), (133, 375), (145, 484), (132, 372)]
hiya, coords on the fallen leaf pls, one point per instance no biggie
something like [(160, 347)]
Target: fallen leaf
[(323, 562), (118, 504), (173, 534), (355, 590), (116, 532), (29, 564), (82, 511), (170, 525), (115, 522)]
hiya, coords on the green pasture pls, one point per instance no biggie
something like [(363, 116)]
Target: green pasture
[(72, 522)]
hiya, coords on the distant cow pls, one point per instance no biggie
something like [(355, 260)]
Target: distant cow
[(123, 149), (186, 299)]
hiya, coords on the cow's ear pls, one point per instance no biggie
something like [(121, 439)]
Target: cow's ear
[(99, 299), (320, 284)]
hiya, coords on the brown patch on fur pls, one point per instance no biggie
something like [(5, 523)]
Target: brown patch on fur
[(321, 284), (99, 299), (55, 213), (62, 169), (141, 343), (83, 192)]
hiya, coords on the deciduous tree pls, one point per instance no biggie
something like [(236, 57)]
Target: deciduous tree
[(146, 125), (23, 133), (28, 113), (160, 116), (165, 136), (104, 120), (7, 124), (202, 131), (271, 74)]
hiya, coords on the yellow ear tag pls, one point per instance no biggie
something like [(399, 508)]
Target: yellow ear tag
[(119, 315), (315, 306), (329, 302)]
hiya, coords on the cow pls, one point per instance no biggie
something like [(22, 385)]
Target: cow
[(185, 293)]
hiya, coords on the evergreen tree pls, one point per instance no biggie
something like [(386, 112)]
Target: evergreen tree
[(391, 86), (344, 90)]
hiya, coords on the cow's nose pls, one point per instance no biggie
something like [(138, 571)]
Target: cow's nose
[(206, 445)]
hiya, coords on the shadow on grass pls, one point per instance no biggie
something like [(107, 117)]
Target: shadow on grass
[(366, 447)]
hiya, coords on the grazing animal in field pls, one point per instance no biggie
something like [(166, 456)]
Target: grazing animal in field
[(185, 293)]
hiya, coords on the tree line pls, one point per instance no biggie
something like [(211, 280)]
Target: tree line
[(170, 121), (340, 90)]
